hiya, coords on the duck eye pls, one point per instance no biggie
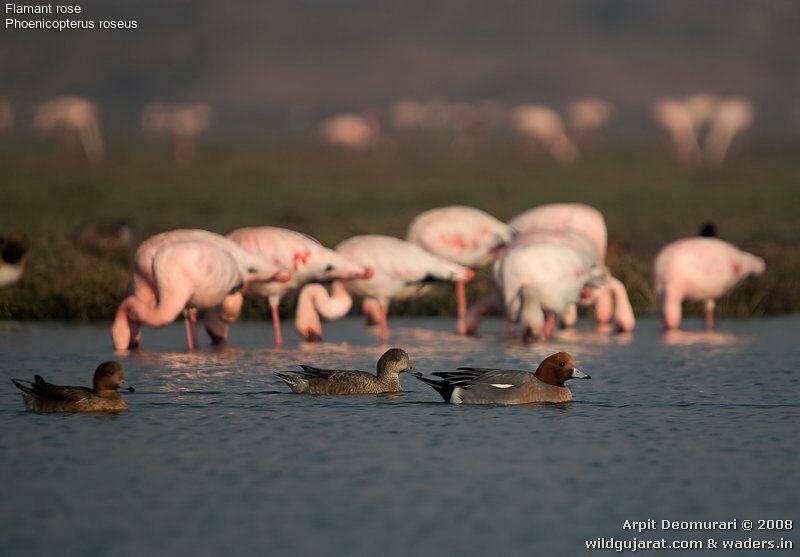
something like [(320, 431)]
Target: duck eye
[(561, 364), (329, 268), (252, 270)]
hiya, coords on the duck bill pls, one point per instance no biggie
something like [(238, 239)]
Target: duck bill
[(578, 374)]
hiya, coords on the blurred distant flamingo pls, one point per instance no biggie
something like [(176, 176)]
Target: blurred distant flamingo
[(351, 131), (679, 122), (545, 127), (462, 235), (69, 116), (700, 269), (145, 285), (587, 116), (182, 122), (401, 270), (730, 118), (305, 257)]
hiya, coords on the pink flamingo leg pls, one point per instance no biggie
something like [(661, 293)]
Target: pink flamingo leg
[(276, 323), (384, 331), (190, 329), (549, 326), (461, 297), (710, 315)]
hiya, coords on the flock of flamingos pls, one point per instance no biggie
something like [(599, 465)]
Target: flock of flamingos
[(545, 262), (700, 127)]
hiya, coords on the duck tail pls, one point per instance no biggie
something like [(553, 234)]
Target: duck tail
[(22, 386), (442, 387)]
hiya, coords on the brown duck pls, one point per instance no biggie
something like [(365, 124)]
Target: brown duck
[(315, 381), (41, 396), (471, 385)]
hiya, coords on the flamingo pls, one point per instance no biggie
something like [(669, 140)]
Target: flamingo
[(351, 131), (307, 259), (144, 284), (199, 273), (540, 281), (72, 115), (731, 117), (182, 122), (401, 270), (701, 269), (583, 228), (463, 235), (680, 124), (586, 116), (545, 126)]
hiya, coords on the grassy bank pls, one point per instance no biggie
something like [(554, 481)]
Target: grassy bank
[(647, 199)]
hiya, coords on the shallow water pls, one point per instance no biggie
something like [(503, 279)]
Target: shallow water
[(215, 456)]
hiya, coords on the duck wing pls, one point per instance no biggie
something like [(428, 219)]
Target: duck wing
[(41, 389), (311, 372), (466, 377)]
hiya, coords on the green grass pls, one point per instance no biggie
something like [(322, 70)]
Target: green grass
[(647, 199)]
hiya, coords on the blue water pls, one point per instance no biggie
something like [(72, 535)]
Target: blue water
[(215, 456)]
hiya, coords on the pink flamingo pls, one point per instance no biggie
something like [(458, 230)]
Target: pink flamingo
[(401, 270), (144, 284), (700, 269), (184, 272), (584, 228), (307, 259), (540, 281), (463, 235)]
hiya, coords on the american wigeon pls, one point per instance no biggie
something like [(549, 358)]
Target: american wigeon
[(315, 381), (505, 386), (41, 396)]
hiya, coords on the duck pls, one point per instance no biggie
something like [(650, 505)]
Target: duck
[(315, 381), (473, 385), (13, 248), (43, 397)]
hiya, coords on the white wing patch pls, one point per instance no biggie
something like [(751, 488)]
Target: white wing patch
[(501, 385), (455, 397)]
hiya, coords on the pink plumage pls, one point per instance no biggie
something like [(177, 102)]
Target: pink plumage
[(462, 235), (400, 270), (307, 259), (699, 269)]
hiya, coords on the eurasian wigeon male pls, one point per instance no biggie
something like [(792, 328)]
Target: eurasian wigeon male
[(41, 396), (316, 381), (469, 385)]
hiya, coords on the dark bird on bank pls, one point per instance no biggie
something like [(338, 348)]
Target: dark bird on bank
[(41, 396), (470, 385), (315, 381), (708, 230), (103, 238), (13, 248)]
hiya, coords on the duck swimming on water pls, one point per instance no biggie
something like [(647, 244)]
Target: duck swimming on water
[(41, 396), (472, 385), (316, 381)]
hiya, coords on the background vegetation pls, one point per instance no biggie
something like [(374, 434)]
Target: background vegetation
[(648, 200)]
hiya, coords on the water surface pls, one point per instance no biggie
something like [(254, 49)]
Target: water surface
[(215, 456)]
